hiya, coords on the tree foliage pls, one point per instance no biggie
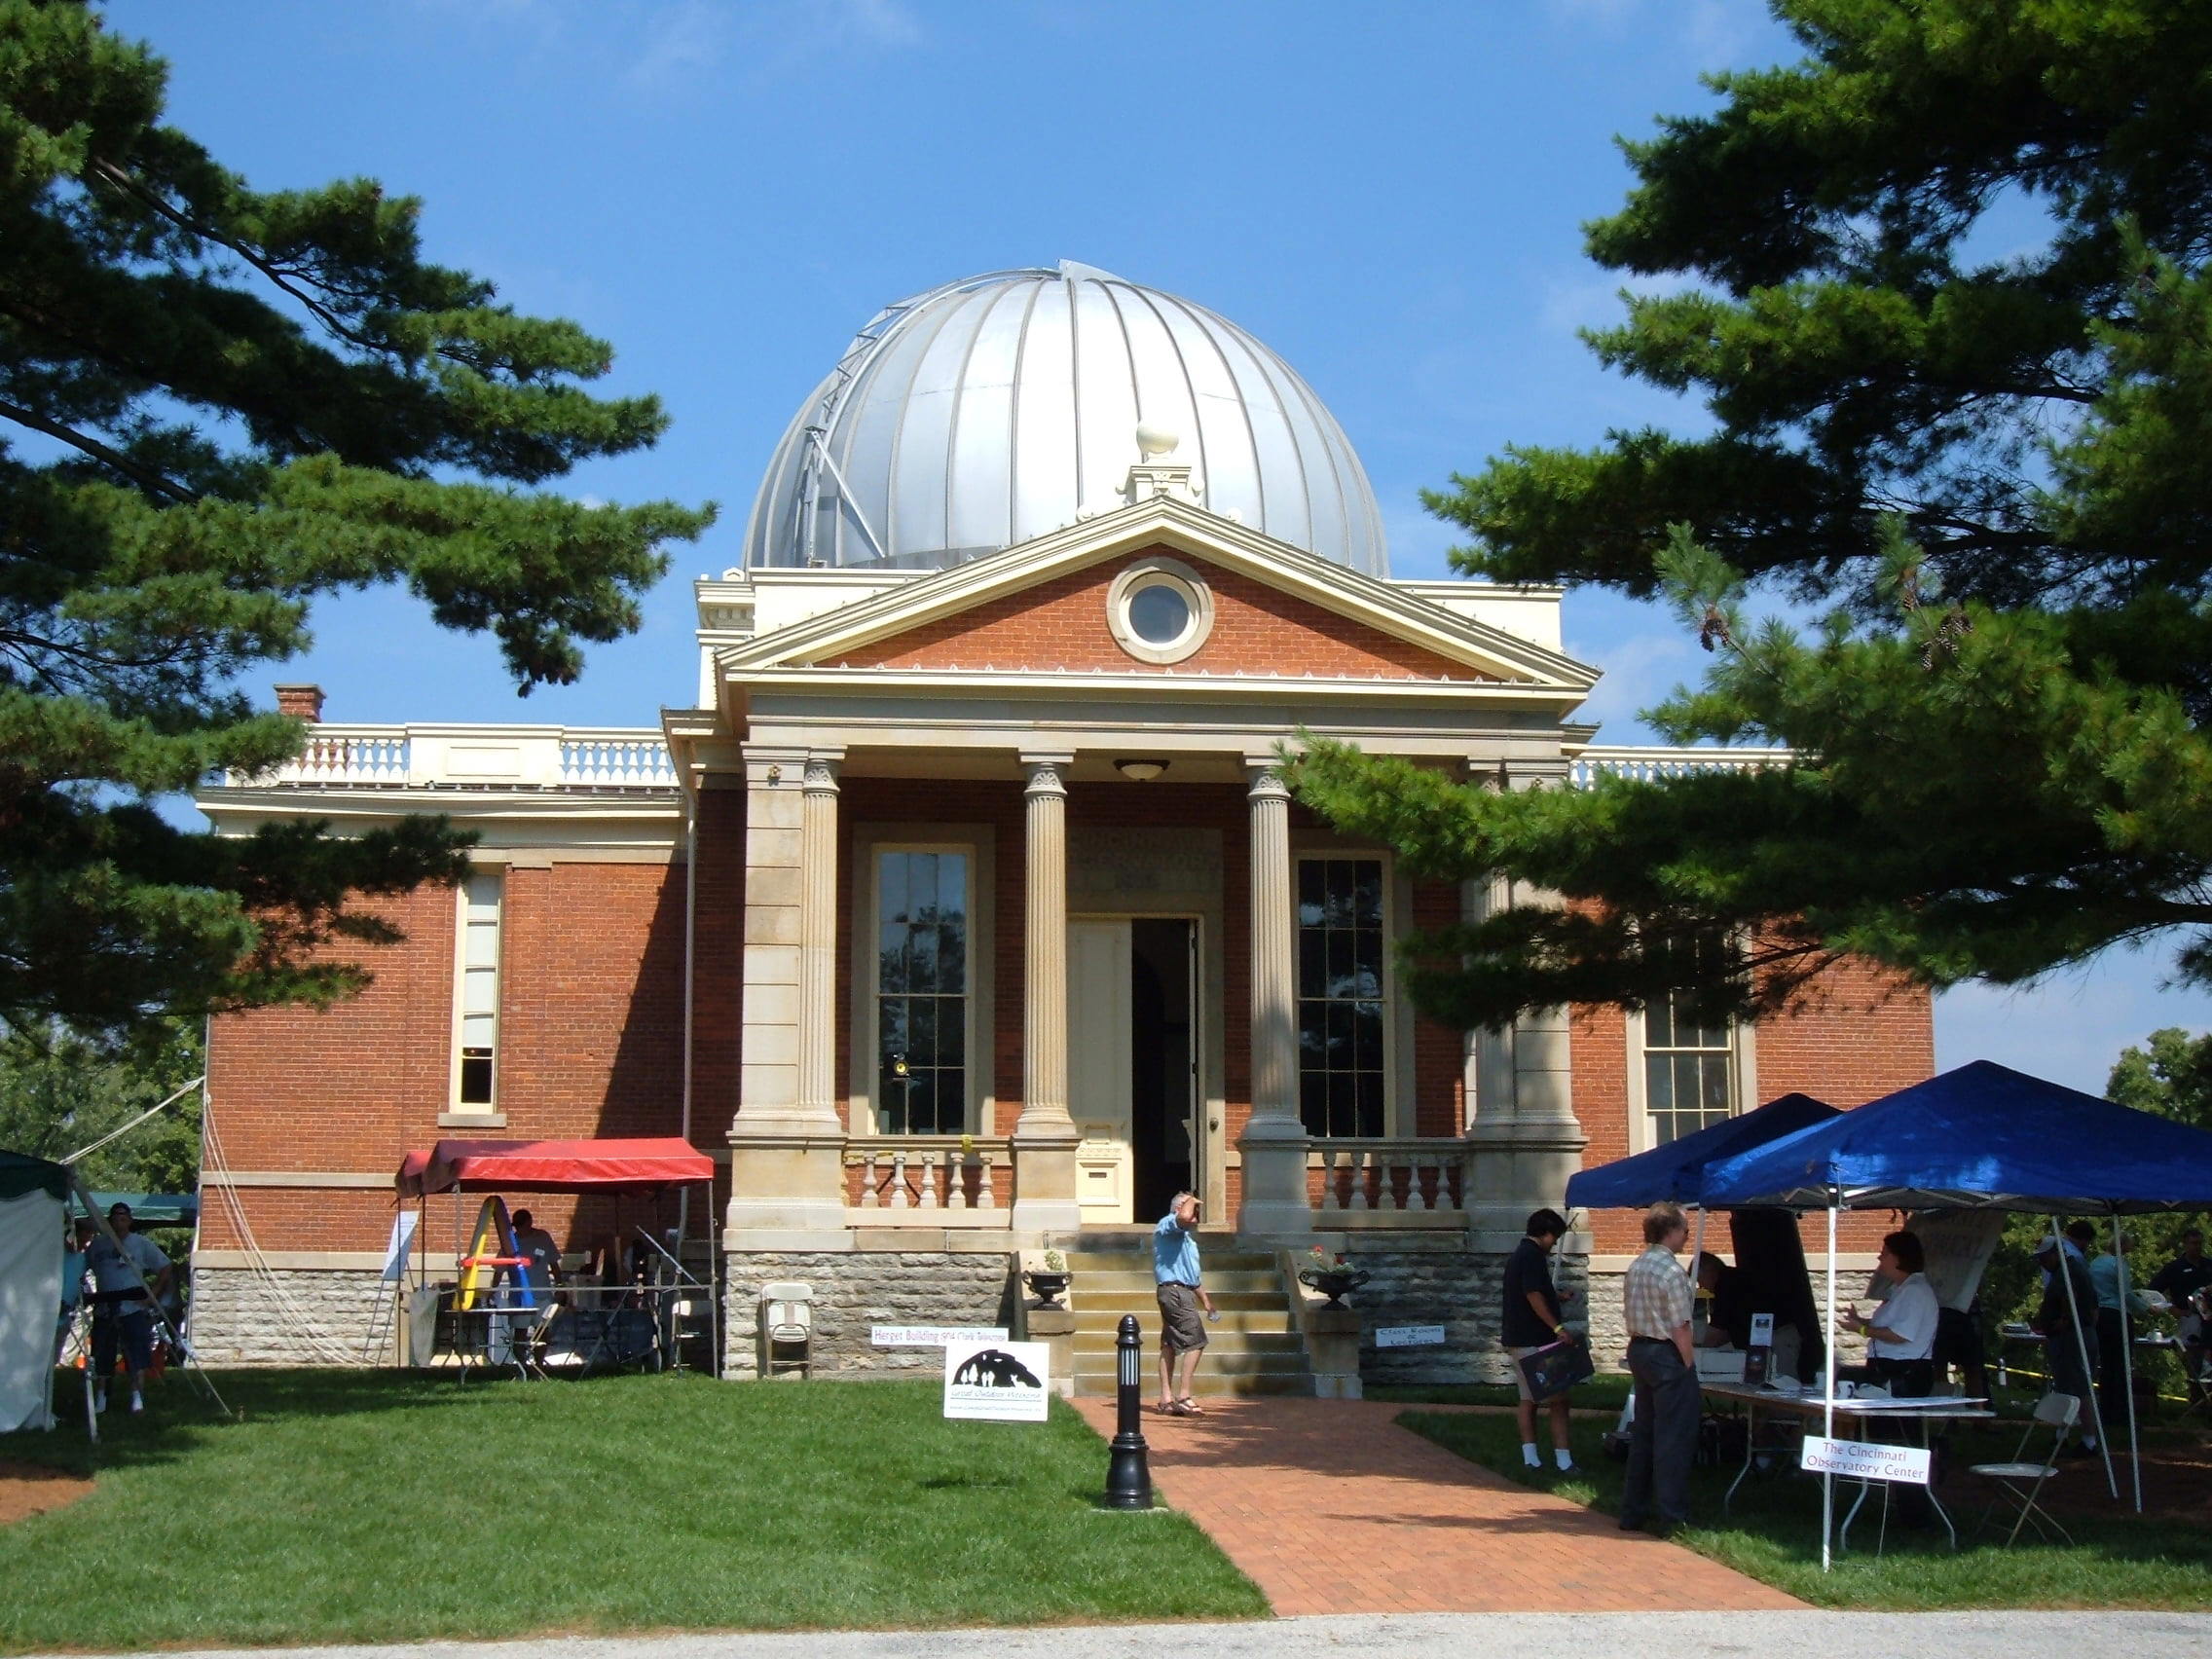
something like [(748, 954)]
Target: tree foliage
[(217, 404), (59, 1094), (1946, 303)]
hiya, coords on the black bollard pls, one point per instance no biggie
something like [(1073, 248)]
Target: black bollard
[(1129, 1473)]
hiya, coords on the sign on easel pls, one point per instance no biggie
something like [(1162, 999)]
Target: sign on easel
[(997, 1381), (1866, 1460)]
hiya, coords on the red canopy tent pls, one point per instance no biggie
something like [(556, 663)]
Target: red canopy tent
[(552, 1166)]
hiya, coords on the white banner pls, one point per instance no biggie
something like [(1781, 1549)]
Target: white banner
[(997, 1381), (933, 1335), (1409, 1336), (1866, 1460)]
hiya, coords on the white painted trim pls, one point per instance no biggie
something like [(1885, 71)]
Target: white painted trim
[(1159, 519), (980, 842), (1398, 1107), (1742, 1075), (322, 1178), (1159, 571)]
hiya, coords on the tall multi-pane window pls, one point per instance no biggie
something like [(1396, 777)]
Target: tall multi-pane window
[(1689, 1067), (921, 1004), (475, 1074), (1340, 996)]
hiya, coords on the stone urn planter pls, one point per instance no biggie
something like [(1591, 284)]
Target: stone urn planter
[(1049, 1287), (1335, 1281)]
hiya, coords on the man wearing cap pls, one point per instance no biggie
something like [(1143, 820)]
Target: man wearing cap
[(129, 1273)]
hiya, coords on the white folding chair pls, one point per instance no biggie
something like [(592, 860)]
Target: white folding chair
[(2022, 1481)]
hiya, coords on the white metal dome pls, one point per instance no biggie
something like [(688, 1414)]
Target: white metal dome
[(998, 408)]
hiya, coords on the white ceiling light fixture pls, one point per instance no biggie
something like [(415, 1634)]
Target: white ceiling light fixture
[(1140, 772)]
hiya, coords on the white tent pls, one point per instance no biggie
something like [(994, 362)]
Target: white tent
[(31, 1195)]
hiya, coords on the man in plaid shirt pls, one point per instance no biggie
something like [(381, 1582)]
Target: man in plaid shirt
[(1655, 1304)]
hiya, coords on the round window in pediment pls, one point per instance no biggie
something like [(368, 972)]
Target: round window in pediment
[(1159, 610)]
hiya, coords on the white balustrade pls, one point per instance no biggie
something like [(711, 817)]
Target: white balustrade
[(1396, 1182), (615, 759), (486, 756), (1647, 766), (928, 1180)]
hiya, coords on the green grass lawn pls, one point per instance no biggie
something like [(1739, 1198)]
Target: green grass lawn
[(1773, 1532), (384, 1507)]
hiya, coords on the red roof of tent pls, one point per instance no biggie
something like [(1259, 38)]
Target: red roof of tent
[(551, 1166)]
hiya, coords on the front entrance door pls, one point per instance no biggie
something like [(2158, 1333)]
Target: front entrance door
[(1133, 1071)]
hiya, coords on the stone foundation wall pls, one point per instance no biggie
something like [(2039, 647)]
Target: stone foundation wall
[(300, 1316), (1462, 1291), (857, 1289)]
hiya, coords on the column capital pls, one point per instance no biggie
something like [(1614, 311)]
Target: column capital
[(1048, 771), (821, 771), (1264, 777), (772, 765)]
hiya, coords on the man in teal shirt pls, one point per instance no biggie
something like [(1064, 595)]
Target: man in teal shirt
[(1182, 1299), (2115, 1284)]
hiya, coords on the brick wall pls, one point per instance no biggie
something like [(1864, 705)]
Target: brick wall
[(1062, 623), (590, 1044), (1861, 1035)]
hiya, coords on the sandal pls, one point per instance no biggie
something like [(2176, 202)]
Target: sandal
[(1188, 1406)]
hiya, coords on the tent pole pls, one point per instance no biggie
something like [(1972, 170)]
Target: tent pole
[(1828, 1405), (2127, 1281), (2082, 1347)]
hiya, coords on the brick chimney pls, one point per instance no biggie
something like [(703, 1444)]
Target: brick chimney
[(304, 701)]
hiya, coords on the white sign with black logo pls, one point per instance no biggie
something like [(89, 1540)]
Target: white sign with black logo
[(997, 1382)]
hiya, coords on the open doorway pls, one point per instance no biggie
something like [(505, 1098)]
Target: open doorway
[(1164, 1073)]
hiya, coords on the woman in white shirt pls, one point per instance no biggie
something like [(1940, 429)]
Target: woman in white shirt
[(1900, 1334)]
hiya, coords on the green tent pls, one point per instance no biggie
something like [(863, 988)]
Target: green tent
[(31, 1190), (148, 1209)]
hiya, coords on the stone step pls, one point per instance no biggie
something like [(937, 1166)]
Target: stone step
[(1202, 1386), (1101, 1345), (1220, 1364), (1133, 1260), (1102, 1323), (1144, 1299), (1098, 1279)]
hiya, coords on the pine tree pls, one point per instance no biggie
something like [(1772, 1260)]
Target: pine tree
[(1945, 299), (216, 405)]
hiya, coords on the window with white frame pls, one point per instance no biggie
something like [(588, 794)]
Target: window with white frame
[(477, 996), (922, 908), (1343, 1059), (1690, 1070)]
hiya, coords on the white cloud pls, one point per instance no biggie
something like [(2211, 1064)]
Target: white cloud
[(2071, 1028)]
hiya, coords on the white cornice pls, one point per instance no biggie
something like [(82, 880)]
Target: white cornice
[(986, 682), (1161, 520)]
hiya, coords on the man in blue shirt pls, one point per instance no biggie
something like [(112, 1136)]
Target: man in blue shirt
[(1183, 1299)]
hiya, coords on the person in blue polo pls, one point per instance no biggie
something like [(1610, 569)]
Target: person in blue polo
[(1184, 1304)]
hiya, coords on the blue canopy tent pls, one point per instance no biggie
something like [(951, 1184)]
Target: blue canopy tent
[(1676, 1170), (1981, 1137)]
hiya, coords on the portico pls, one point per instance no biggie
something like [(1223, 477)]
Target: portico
[(1111, 816)]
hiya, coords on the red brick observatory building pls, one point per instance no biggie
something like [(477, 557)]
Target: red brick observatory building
[(961, 911)]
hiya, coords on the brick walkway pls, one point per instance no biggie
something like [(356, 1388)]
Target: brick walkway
[(1332, 1508)]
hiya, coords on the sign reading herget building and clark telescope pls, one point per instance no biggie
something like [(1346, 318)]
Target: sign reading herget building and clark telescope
[(986, 1377)]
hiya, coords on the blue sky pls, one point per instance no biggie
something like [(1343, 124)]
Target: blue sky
[(1390, 194)]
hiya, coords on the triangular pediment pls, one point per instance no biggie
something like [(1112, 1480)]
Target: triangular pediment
[(1300, 612)]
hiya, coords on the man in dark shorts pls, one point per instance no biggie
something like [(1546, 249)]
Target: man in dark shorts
[(1184, 1304), (1531, 1319)]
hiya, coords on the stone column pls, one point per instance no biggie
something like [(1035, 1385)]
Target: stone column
[(1044, 1136), (1273, 1142), (786, 1145), (1525, 1140)]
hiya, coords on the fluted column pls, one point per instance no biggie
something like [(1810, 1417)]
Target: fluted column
[(1273, 1143), (1044, 1136), (818, 939), (786, 1145)]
